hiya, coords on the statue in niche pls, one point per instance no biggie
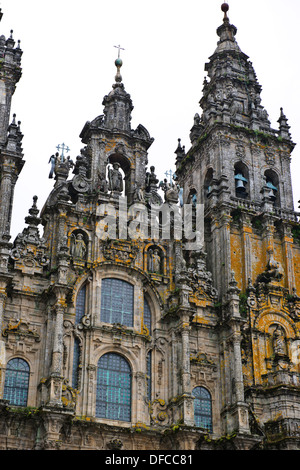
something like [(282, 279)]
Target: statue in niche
[(115, 178), (78, 249), (279, 345), (154, 261)]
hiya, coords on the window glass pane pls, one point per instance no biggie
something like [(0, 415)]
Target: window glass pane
[(147, 315), (80, 304), (117, 302), (16, 382), (113, 397), (202, 408), (149, 375), (76, 355)]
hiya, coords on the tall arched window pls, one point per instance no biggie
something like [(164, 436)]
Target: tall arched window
[(202, 408), (80, 304), (16, 382), (117, 302), (113, 396), (76, 360), (147, 316)]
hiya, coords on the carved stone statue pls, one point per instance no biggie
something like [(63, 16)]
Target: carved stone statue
[(52, 161), (139, 192), (154, 261), (279, 346), (78, 247), (115, 178)]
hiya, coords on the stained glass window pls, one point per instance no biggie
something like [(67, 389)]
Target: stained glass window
[(202, 408), (117, 302), (16, 382), (113, 397), (147, 315), (80, 304), (76, 356)]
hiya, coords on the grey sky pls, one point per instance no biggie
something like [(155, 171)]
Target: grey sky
[(68, 66)]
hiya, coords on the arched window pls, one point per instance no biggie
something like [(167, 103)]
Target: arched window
[(76, 360), (117, 302), (202, 408), (147, 316), (207, 182), (16, 382), (80, 304), (113, 397)]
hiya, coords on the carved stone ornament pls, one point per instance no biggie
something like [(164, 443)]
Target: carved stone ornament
[(159, 413), (115, 444), (21, 329), (81, 184), (120, 251)]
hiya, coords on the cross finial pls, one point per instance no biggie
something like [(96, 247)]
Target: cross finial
[(169, 174), (63, 147), (119, 48)]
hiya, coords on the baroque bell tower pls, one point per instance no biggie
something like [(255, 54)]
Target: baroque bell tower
[(238, 167)]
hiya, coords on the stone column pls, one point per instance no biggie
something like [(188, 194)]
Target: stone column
[(238, 371), (89, 389), (2, 343), (56, 379), (5, 199), (186, 369)]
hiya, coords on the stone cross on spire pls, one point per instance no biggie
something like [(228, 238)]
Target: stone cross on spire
[(119, 48)]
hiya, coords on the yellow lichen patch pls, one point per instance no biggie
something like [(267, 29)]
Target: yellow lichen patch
[(296, 259), (237, 258)]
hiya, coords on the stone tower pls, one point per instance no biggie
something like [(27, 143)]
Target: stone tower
[(121, 331), (238, 167), (11, 162)]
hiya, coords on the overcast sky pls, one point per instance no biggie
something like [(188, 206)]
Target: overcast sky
[(68, 67)]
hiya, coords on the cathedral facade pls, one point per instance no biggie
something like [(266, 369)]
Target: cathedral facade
[(145, 315)]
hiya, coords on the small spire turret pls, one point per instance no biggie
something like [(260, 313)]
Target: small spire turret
[(283, 126)]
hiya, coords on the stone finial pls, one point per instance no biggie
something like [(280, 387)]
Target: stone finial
[(225, 9)]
